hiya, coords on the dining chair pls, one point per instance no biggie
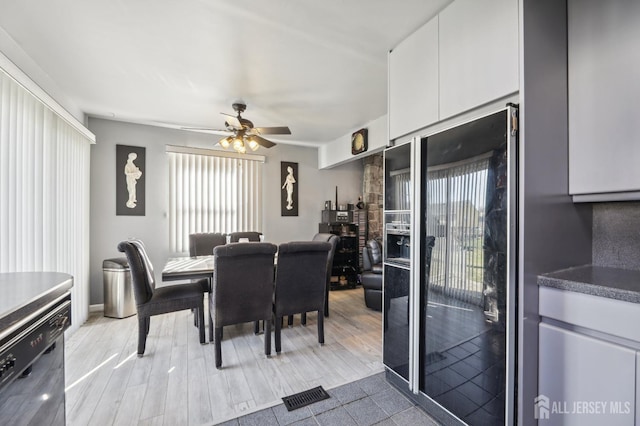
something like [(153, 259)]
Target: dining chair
[(155, 301), (242, 290), (250, 235), (202, 244), (333, 240), (300, 283)]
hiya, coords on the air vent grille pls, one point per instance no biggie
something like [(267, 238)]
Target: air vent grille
[(305, 398)]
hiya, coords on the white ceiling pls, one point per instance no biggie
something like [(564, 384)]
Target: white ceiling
[(317, 66)]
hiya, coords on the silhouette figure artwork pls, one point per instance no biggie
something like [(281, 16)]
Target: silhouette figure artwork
[(288, 184), (133, 173)]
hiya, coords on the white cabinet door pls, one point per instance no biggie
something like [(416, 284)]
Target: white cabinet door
[(413, 81), (478, 53), (584, 381), (604, 88)]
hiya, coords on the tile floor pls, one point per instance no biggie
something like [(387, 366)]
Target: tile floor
[(369, 401)]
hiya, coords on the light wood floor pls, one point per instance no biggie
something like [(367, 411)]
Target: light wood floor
[(176, 382)]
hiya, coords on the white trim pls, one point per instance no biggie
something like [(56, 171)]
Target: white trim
[(214, 153), (96, 308), (17, 75)]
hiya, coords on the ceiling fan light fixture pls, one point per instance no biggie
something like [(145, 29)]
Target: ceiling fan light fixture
[(253, 144), (238, 145), (226, 142)]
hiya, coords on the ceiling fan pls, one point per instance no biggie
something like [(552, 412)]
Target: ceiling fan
[(243, 133)]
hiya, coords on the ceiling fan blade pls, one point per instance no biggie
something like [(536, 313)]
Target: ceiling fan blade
[(280, 130), (262, 141), (208, 129), (232, 120)]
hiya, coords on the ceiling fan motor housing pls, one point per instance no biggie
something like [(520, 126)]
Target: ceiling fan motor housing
[(239, 107)]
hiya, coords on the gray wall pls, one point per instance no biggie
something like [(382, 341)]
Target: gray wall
[(107, 229), (554, 232)]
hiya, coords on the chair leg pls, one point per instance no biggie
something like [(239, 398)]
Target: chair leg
[(143, 327), (326, 302), (210, 327), (201, 326), (148, 324), (267, 337), (218, 344), (256, 327), (303, 318), (320, 328), (276, 334), (290, 321)]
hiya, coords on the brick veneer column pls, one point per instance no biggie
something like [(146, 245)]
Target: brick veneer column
[(372, 194)]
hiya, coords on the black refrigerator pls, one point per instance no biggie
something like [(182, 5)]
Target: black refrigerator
[(449, 326)]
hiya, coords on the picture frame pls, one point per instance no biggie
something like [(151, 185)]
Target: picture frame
[(289, 182), (359, 143), (130, 180)]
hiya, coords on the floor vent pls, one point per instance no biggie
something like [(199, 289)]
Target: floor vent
[(305, 398)]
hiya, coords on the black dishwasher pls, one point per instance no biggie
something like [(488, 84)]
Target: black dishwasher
[(32, 377)]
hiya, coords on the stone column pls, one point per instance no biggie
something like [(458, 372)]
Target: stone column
[(372, 194)]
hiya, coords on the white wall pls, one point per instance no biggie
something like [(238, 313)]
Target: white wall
[(339, 151), (107, 229)]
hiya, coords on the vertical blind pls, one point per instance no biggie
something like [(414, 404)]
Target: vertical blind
[(455, 206), (209, 193), (44, 192)]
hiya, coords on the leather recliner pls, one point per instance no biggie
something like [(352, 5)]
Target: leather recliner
[(372, 274)]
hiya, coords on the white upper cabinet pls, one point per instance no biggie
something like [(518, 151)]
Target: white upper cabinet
[(413, 81), (604, 88), (478, 53)]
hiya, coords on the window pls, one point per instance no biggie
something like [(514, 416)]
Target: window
[(212, 191)]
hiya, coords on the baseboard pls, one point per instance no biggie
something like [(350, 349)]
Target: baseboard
[(96, 308)]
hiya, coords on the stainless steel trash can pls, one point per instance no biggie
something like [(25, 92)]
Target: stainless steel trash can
[(118, 290)]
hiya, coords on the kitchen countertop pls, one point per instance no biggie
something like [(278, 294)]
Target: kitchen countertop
[(23, 293), (613, 283)]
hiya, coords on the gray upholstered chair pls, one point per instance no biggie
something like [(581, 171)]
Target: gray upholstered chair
[(242, 290), (300, 283), (333, 240), (372, 274), (202, 244), (155, 301), (250, 235)]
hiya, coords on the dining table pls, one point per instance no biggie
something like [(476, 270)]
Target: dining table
[(188, 268), (191, 268)]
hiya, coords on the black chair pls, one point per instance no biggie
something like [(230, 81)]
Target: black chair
[(250, 235), (372, 274), (300, 283), (155, 301), (242, 290), (333, 240), (202, 244)]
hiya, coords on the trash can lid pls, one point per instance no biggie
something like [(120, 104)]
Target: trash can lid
[(116, 263)]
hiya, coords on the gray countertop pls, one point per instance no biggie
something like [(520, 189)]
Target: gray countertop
[(614, 283), (26, 292)]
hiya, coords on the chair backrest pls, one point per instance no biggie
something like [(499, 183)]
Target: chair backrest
[(242, 288), (372, 254), (142, 275), (333, 240), (251, 235), (301, 277), (202, 244)]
